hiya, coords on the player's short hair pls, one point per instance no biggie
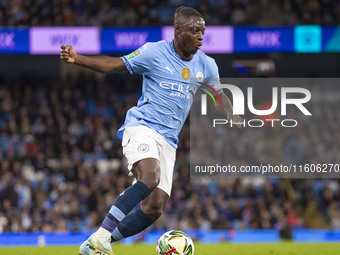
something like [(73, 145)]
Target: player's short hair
[(184, 12)]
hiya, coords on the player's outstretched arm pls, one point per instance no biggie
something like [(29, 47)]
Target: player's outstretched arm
[(227, 109), (102, 64)]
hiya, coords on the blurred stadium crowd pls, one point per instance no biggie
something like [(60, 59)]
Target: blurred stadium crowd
[(61, 165), (155, 13)]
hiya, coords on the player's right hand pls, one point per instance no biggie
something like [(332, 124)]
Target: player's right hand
[(68, 54)]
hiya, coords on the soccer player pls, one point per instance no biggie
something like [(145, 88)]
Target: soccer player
[(150, 132)]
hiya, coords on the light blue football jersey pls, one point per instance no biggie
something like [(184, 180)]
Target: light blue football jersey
[(167, 93)]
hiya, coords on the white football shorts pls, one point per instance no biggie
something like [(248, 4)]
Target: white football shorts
[(141, 142)]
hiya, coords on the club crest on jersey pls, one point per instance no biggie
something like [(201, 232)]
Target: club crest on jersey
[(133, 54), (199, 76), (185, 73), (142, 148)]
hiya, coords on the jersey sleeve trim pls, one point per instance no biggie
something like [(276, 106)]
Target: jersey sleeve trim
[(127, 64)]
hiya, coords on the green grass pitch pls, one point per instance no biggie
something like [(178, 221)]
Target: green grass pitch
[(289, 248)]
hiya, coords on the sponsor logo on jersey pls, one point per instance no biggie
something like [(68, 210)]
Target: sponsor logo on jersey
[(174, 86), (176, 89)]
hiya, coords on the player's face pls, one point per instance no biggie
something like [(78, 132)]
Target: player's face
[(190, 35)]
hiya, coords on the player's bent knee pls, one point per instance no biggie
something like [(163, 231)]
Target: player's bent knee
[(148, 172), (151, 178), (152, 182)]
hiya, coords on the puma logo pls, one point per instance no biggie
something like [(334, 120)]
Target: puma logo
[(168, 68)]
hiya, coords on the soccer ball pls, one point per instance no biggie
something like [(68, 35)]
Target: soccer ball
[(175, 242)]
